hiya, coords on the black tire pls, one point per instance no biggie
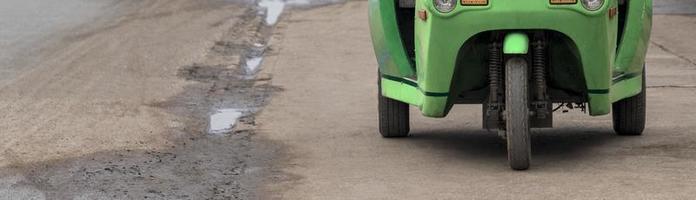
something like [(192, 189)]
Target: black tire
[(393, 116), (629, 114), (517, 114)]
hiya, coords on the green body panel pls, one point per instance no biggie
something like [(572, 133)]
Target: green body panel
[(405, 91), (440, 39), (626, 88), (388, 45), (402, 90), (516, 43), (636, 38)]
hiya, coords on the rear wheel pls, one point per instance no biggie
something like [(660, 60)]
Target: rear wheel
[(517, 114), (393, 116), (629, 114)]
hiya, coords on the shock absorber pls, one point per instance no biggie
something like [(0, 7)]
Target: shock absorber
[(492, 117), (540, 103), (539, 69), (494, 71)]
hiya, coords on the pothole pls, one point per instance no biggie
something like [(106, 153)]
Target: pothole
[(231, 71)]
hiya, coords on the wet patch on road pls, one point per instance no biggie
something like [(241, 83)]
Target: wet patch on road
[(224, 120)]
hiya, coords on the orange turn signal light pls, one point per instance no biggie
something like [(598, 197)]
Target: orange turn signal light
[(423, 15), (475, 2), (613, 12), (563, 1)]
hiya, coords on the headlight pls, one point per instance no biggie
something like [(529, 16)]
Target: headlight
[(592, 5), (445, 6)]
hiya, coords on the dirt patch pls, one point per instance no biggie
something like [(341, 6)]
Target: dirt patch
[(225, 167)]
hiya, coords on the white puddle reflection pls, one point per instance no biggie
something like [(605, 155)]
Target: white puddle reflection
[(273, 10), (253, 61), (224, 120), (252, 64)]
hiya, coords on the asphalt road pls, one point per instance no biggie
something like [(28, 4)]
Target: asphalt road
[(113, 99), (326, 117)]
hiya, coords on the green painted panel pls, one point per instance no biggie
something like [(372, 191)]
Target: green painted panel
[(599, 104), (404, 90), (386, 39), (516, 43), (636, 37), (627, 87), (593, 32), (401, 91)]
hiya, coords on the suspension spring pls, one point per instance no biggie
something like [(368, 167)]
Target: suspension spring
[(539, 69), (494, 70)]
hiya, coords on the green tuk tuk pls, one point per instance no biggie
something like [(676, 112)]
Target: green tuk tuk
[(519, 59)]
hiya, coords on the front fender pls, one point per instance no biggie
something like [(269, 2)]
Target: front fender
[(387, 41), (516, 43), (636, 38)]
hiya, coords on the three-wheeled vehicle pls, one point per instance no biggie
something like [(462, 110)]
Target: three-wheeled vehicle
[(520, 59)]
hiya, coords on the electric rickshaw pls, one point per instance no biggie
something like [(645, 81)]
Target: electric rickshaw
[(520, 59)]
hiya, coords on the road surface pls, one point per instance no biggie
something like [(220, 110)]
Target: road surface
[(115, 105), (114, 100), (27, 25), (326, 117)]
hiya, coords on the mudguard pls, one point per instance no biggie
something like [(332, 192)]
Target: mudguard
[(516, 43), (387, 41)]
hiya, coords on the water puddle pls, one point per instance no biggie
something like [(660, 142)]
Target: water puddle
[(253, 60), (252, 64), (224, 120), (241, 102), (272, 10)]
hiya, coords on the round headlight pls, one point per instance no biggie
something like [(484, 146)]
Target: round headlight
[(445, 6), (592, 5)]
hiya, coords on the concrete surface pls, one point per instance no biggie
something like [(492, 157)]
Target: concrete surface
[(674, 7), (326, 116), (27, 24)]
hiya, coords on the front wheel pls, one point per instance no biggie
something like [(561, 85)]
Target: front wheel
[(517, 114)]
